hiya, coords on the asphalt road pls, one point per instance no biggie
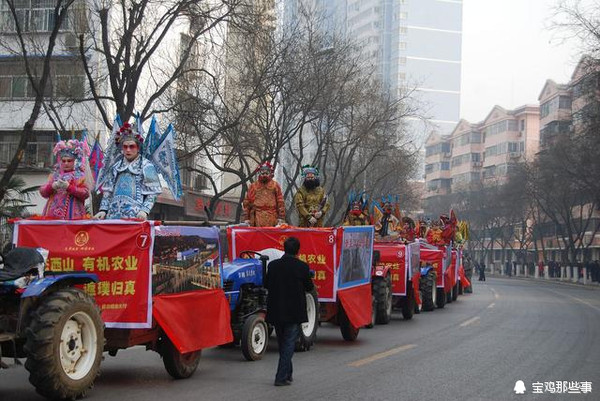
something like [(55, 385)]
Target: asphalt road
[(474, 349)]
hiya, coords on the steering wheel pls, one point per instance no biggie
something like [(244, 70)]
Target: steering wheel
[(249, 254)]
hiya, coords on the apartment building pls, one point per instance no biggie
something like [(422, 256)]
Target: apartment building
[(478, 152)]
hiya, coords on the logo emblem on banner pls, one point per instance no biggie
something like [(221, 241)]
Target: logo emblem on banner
[(400, 254), (81, 238)]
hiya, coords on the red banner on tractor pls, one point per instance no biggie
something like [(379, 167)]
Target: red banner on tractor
[(318, 248), (119, 252)]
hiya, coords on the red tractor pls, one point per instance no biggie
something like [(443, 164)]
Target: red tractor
[(395, 280)]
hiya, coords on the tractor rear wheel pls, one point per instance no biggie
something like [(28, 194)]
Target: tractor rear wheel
[(308, 330), (408, 304), (455, 292), (428, 291), (178, 365), (440, 298), (64, 344), (255, 337), (349, 332)]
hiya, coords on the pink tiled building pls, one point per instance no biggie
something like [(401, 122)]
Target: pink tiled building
[(484, 151)]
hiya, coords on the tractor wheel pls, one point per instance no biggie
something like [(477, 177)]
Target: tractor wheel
[(255, 337), (428, 291), (383, 295), (408, 306), (178, 365), (308, 330), (449, 296), (64, 344), (349, 332), (455, 292), (440, 298), (461, 290)]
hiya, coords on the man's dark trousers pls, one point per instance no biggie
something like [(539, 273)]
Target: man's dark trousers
[(287, 334)]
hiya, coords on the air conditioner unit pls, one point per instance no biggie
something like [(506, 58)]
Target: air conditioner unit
[(447, 154), (514, 155), (477, 164), (521, 133)]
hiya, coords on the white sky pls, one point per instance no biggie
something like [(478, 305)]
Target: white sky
[(508, 53)]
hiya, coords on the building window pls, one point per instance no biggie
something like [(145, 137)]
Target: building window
[(402, 45), (67, 80), (403, 15), (38, 153), (403, 30), (402, 61)]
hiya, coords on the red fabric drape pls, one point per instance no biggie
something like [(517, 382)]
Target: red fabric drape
[(195, 319), (463, 279), (357, 304), (415, 282)]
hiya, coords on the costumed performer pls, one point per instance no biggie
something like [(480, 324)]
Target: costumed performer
[(132, 184), (311, 200), (357, 213), (264, 205), (71, 182)]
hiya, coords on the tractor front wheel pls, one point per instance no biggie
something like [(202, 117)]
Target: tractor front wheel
[(308, 330), (349, 332), (255, 337)]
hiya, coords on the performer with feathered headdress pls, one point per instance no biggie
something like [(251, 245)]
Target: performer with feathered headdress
[(130, 184), (263, 205), (71, 182)]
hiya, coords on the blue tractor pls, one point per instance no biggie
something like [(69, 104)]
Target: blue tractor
[(56, 326), (243, 280)]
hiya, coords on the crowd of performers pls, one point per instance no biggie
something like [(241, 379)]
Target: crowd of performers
[(129, 183)]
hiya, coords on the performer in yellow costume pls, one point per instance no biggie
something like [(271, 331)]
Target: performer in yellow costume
[(311, 200)]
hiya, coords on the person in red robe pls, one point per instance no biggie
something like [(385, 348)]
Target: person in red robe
[(264, 205)]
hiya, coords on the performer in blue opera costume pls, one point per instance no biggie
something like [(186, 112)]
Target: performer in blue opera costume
[(130, 181)]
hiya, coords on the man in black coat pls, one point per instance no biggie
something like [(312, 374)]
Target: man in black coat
[(288, 280)]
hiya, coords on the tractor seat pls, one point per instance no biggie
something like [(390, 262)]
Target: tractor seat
[(19, 262)]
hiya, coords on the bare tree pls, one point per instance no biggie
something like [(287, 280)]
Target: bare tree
[(27, 47)]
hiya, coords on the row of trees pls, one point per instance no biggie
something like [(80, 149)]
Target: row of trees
[(240, 91)]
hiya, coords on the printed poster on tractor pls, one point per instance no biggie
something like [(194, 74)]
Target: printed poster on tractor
[(356, 257), (186, 259), (119, 252)]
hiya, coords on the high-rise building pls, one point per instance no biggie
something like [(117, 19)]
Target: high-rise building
[(412, 43)]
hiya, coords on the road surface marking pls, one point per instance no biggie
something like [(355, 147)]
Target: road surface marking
[(381, 355), (576, 299), (586, 303), (496, 296), (490, 306), (468, 322)]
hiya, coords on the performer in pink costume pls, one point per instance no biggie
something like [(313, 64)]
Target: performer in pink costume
[(69, 185)]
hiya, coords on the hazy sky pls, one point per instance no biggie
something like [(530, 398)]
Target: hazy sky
[(508, 53)]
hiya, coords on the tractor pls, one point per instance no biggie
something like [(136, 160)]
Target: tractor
[(243, 280)]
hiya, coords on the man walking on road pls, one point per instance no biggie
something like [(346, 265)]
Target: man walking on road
[(288, 280)]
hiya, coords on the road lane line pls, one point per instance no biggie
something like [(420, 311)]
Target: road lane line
[(496, 296), (381, 355), (585, 303), (490, 306), (576, 299), (470, 321)]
